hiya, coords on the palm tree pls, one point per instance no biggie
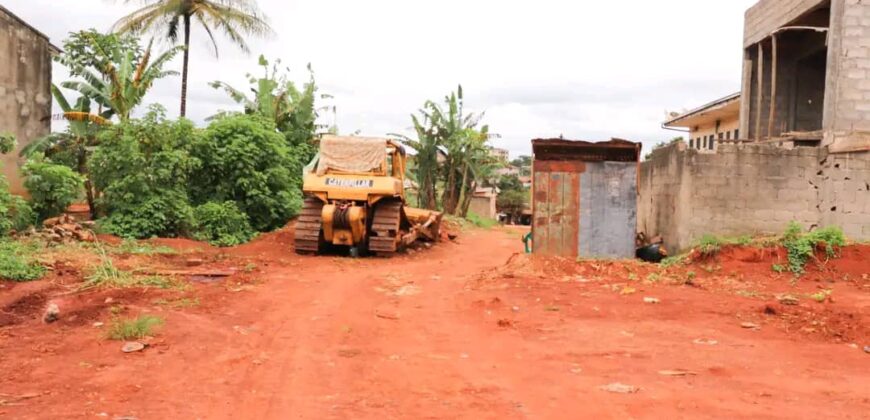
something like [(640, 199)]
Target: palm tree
[(123, 83), (234, 18)]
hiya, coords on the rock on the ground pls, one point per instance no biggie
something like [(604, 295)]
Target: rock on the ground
[(52, 313), (620, 388), (651, 300), (132, 346)]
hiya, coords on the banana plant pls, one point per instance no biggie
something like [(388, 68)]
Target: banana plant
[(77, 141), (121, 84)]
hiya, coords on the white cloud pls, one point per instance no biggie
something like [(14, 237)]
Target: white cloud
[(586, 70)]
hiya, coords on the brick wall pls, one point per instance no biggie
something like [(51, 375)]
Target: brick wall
[(751, 189)]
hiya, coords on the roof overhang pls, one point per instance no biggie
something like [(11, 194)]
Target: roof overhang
[(720, 109)]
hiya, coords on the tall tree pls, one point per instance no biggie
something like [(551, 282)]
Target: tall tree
[(234, 18)]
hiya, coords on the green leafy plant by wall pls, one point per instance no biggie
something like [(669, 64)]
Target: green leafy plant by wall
[(709, 245), (15, 213), (245, 160), (802, 246), (142, 168), (52, 187), (221, 224)]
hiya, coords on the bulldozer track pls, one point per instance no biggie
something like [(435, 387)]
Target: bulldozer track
[(308, 226), (384, 237)]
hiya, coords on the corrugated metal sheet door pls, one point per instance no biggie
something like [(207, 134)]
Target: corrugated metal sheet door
[(556, 220)]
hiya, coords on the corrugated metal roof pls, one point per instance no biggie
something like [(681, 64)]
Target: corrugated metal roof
[(617, 150)]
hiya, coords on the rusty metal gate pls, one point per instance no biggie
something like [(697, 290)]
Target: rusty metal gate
[(556, 208)]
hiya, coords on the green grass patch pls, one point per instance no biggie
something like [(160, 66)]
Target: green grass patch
[(18, 262), (130, 246), (129, 329), (481, 222), (710, 245), (106, 275), (779, 268)]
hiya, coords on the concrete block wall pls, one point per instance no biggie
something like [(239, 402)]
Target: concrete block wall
[(751, 189), (25, 95), (768, 15), (847, 115)]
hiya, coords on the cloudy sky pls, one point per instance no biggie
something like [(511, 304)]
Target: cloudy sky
[(583, 69)]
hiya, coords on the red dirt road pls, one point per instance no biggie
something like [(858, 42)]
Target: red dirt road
[(447, 332)]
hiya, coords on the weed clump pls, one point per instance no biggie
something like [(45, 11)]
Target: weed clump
[(129, 329), (801, 246), (709, 245)]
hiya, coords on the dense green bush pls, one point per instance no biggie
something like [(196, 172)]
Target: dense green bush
[(52, 187), (245, 160), (801, 246), (142, 168), (221, 224)]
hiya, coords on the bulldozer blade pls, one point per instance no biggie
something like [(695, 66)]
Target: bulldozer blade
[(427, 223)]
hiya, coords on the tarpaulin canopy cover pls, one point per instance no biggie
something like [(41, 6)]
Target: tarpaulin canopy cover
[(351, 154)]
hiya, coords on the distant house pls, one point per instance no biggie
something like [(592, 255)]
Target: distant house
[(710, 124), (500, 154), (483, 202), (25, 88)]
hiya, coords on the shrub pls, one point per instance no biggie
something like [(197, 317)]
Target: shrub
[(142, 167), (245, 160), (221, 224), (17, 262), (802, 246), (7, 143), (15, 213), (128, 329), (52, 187)]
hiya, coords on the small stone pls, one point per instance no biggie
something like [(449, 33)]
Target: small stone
[(676, 372), (51, 222), (132, 346), (193, 262), (867, 349), (108, 300), (97, 324), (651, 300), (619, 388), (85, 236), (387, 313), (515, 308), (705, 341), (788, 300), (749, 325), (52, 313)]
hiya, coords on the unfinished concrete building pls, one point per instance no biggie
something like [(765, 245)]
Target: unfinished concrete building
[(25, 88), (806, 73)]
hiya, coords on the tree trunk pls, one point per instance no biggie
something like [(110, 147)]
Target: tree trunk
[(185, 66), (463, 187), (89, 188), (466, 202)]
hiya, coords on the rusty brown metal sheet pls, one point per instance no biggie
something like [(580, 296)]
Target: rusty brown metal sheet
[(575, 166), (556, 220)]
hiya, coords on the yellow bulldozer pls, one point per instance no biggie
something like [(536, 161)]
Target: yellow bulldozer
[(355, 198)]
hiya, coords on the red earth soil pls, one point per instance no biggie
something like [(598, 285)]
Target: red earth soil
[(467, 329)]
